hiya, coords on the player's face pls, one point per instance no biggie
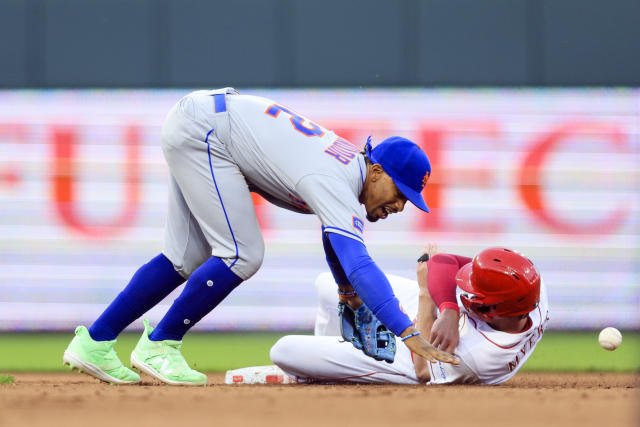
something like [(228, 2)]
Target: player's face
[(383, 198), (511, 324)]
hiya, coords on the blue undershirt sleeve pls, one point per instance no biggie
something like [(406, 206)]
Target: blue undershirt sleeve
[(332, 260), (369, 281)]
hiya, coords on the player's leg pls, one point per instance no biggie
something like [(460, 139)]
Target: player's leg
[(150, 284), (327, 319), (91, 350), (406, 290), (219, 200), (218, 197), (329, 359), (154, 280), (187, 247)]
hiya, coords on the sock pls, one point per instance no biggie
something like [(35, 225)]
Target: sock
[(205, 289), (148, 286)]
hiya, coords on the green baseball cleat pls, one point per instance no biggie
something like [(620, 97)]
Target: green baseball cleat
[(98, 359), (163, 360)]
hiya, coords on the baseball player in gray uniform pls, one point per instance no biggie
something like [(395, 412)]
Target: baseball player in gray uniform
[(221, 146)]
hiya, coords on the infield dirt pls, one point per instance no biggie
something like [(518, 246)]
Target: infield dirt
[(70, 400)]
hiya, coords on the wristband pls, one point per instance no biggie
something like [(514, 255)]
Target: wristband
[(423, 258), (348, 293), (450, 305), (410, 335)]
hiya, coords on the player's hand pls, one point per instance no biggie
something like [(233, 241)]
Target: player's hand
[(422, 348), (444, 332)]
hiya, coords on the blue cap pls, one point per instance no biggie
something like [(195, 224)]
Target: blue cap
[(406, 164)]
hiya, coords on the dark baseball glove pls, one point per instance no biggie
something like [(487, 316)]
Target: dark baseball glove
[(363, 329)]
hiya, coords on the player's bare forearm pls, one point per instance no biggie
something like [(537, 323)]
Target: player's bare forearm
[(424, 322), (426, 310)]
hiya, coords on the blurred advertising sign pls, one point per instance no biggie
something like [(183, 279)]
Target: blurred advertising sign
[(553, 173)]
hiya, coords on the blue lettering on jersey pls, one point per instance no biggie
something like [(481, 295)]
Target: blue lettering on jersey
[(342, 150), (296, 120), (358, 224), (442, 371)]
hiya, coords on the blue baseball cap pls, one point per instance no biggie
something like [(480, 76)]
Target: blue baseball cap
[(406, 164)]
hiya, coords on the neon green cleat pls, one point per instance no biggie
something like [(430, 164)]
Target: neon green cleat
[(98, 359), (163, 360)]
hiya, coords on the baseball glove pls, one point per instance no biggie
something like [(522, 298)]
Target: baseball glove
[(363, 329)]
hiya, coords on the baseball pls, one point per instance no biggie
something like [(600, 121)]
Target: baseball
[(610, 338)]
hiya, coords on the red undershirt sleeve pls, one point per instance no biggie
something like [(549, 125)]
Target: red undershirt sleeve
[(441, 279)]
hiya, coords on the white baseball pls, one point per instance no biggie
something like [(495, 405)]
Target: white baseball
[(610, 338)]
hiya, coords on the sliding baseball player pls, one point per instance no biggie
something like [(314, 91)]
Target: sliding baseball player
[(491, 310)]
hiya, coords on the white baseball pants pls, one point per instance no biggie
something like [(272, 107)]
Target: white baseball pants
[(326, 357)]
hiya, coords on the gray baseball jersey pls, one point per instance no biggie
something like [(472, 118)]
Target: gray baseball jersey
[(220, 146)]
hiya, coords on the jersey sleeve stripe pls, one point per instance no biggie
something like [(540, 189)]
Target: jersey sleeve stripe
[(341, 231)]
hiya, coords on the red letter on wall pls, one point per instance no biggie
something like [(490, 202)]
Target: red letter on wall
[(530, 178), (64, 192), (10, 175), (433, 140)]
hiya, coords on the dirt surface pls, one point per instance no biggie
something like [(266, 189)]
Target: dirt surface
[(528, 400)]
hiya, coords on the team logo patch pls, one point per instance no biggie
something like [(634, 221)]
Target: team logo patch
[(426, 178), (358, 224)]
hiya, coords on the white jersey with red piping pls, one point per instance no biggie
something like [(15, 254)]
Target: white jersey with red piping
[(489, 356)]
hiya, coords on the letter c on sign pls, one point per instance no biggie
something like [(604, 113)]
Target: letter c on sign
[(530, 182)]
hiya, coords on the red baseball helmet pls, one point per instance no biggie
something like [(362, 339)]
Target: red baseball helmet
[(499, 282)]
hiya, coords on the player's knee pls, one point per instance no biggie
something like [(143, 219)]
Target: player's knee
[(326, 288), (256, 256), (250, 259), (283, 353)]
